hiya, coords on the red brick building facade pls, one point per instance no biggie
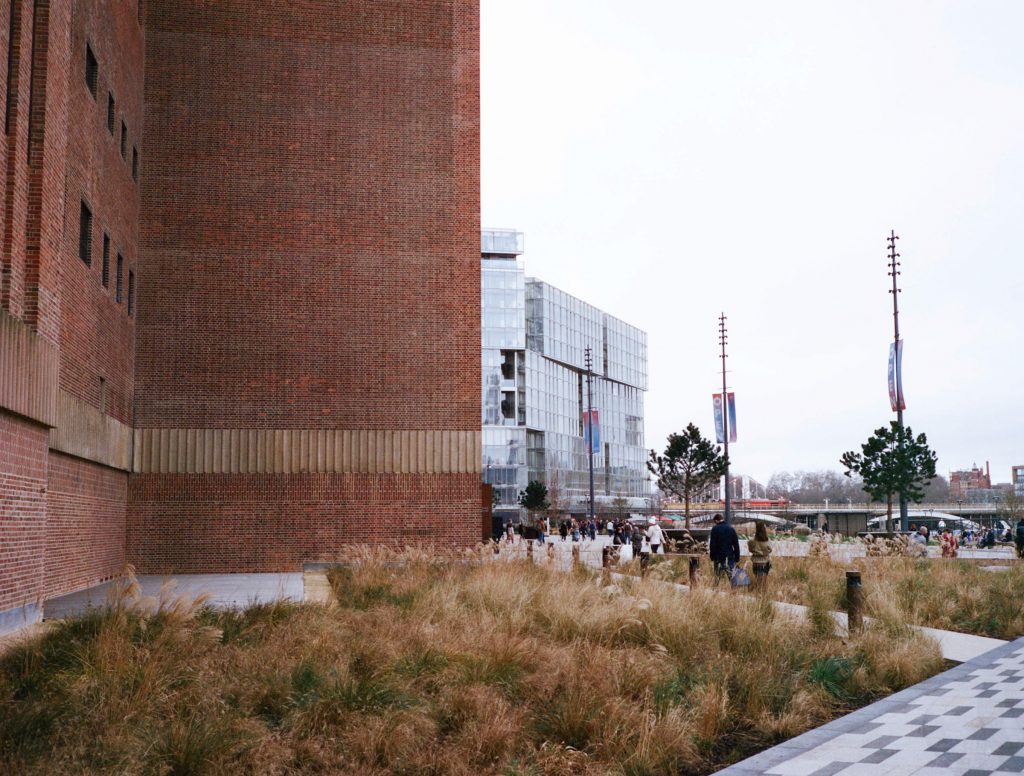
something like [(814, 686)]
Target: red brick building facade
[(239, 300)]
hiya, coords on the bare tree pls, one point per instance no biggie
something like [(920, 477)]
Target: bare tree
[(557, 498)]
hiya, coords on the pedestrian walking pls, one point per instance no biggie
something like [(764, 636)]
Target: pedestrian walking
[(563, 529), (654, 536), (760, 553), (1018, 538), (948, 543), (919, 543), (724, 547)]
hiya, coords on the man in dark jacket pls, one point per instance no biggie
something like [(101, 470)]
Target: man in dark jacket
[(724, 547)]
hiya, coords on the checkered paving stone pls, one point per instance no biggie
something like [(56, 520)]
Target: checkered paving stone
[(964, 722)]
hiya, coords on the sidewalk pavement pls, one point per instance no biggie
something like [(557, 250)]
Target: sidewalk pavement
[(223, 591), (968, 721)]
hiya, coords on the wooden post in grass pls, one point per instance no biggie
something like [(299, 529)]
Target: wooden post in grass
[(694, 564), (606, 553), (529, 549), (854, 602), (645, 561), (575, 554)]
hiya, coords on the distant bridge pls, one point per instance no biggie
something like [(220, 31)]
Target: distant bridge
[(845, 518), (872, 509)]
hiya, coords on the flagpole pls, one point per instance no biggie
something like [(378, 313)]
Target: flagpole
[(589, 362), (723, 337), (893, 272)]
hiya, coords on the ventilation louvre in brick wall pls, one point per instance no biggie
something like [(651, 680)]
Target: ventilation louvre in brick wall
[(92, 69), (85, 235)]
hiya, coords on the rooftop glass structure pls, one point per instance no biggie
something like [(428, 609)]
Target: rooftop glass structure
[(534, 389)]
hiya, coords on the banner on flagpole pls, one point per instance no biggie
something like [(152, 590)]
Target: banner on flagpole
[(899, 376), (892, 376), (732, 417), (591, 431), (719, 417), (896, 401)]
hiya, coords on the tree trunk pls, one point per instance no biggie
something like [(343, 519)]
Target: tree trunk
[(686, 502), (888, 514)]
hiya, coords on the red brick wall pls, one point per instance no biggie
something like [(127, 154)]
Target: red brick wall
[(247, 523), (97, 335), (310, 234), (310, 222), (85, 523), (15, 160), (22, 510)]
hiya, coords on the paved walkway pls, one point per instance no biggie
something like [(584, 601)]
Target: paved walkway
[(223, 591), (968, 721)]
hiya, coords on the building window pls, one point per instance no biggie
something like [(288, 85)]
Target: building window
[(124, 140), (118, 286), (110, 112), (135, 164), (105, 274), (85, 235), (92, 70), (131, 292)]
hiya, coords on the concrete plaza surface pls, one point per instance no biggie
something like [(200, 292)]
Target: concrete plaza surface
[(222, 590), (968, 721)]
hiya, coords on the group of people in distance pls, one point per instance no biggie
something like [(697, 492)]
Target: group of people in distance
[(577, 529), (724, 544), (950, 543)]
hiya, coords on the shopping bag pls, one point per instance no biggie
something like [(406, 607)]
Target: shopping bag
[(739, 577)]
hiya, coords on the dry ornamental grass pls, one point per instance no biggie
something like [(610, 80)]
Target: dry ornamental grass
[(950, 594), (438, 666)]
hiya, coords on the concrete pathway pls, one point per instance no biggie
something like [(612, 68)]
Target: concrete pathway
[(317, 588), (968, 721), (223, 590)]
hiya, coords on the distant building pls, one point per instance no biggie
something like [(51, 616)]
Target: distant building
[(966, 480), (743, 488), (534, 389), (1017, 479)]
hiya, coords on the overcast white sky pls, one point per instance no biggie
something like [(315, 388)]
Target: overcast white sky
[(671, 160)]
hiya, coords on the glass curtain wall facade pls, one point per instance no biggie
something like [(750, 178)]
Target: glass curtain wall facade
[(503, 331), (535, 389)]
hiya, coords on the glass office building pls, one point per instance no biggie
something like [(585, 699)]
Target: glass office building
[(535, 389)]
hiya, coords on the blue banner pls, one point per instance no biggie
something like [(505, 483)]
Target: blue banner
[(732, 417), (719, 417), (591, 431)]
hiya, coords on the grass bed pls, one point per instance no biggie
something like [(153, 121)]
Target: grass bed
[(951, 594), (438, 668)]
